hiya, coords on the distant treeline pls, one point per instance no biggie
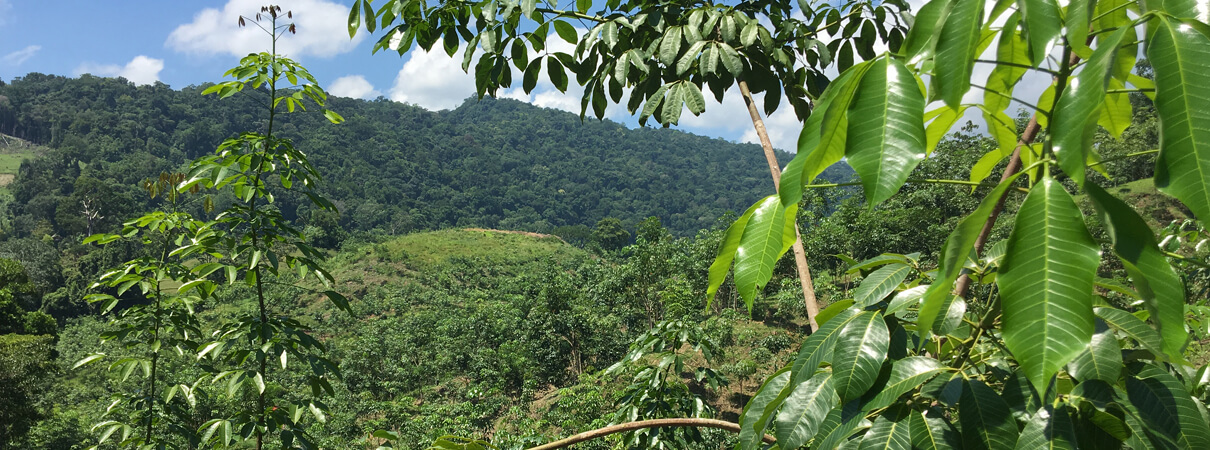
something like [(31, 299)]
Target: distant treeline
[(391, 168)]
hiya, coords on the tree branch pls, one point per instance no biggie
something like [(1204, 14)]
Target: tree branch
[(654, 423), (1014, 164), (572, 14)]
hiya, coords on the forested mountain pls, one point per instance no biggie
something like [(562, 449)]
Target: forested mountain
[(392, 168)]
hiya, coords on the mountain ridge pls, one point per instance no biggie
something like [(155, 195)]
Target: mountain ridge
[(392, 168)]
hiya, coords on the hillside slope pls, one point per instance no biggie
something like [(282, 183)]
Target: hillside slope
[(391, 168), (472, 332)]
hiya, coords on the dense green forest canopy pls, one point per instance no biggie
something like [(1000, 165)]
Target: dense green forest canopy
[(394, 168)]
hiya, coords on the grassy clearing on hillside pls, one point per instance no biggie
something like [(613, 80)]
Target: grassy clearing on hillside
[(10, 162), (413, 257), (12, 152), (432, 250)]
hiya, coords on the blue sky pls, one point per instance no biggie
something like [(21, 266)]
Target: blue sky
[(182, 43)]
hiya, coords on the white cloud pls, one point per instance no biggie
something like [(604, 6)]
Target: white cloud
[(321, 30), (18, 57), (140, 70), (353, 86), (731, 117), (435, 81), (432, 80)]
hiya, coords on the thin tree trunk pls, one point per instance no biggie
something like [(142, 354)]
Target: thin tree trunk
[(800, 255), (1014, 165)]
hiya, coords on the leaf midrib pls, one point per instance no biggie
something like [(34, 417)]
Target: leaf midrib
[(1185, 94)]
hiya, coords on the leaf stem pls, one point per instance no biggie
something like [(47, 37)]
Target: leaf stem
[(1128, 155), (1186, 259), (1111, 11), (1060, 85), (913, 180), (1012, 64), (573, 14), (1023, 102), (1103, 31)]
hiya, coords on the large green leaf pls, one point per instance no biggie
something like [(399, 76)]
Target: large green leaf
[(789, 231), (905, 299), (906, 374), (818, 347), (1181, 9), (726, 252), (1111, 14), (877, 285), (1075, 118), (1108, 412), (933, 433), (887, 433), (1049, 428), (860, 350), (354, 21), (670, 45), (956, 50), (822, 142), (1078, 20), (805, 409), (955, 310), (1102, 360), (924, 32), (1157, 283), (1134, 327), (1021, 397), (759, 248), (1116, 111), (1042, 26), (840, 424), (1004, 130), (1013, 49), (673, 103), (941, 123), (878, 261), (886, 128), (986, 421), (1166, 407), (954, 255), (1181, 58), (753, 420), (1046, 283)]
